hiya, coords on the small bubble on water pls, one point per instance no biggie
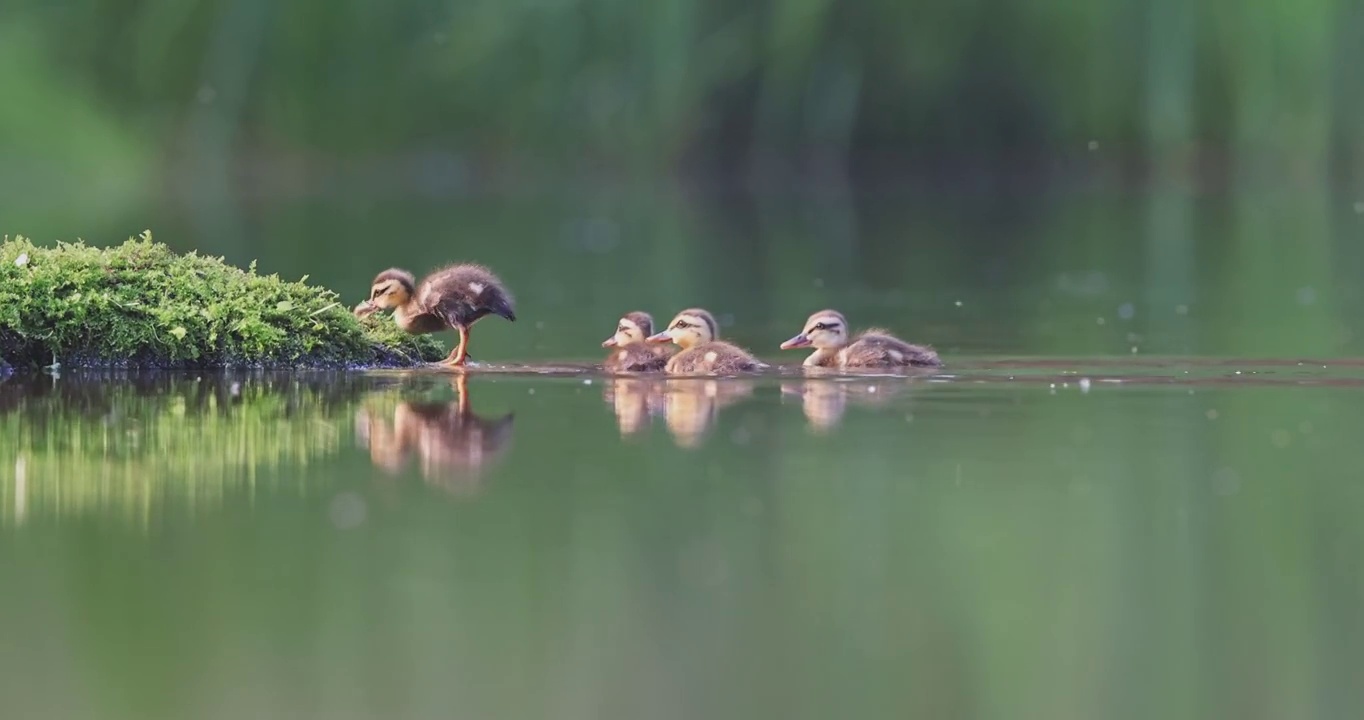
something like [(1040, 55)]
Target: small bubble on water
[(1134, 349), (530, 391), (1101, 321), (1307, 295), (539, 324), (1281, 438), (871, 389), (1181, 309), (587, 381), (1211, 414), (347, 511), (957, 303), (1359, 207), (1126, 311), (1084, 385), (1093, 145)]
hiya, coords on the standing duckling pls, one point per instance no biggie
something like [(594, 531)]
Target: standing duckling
[(453, 297), (695, 331), (827, 332), (634, 354)]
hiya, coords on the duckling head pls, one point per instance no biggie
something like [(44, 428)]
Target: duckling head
[(391, 288), (633, 328), (825, 330), (690, 327)]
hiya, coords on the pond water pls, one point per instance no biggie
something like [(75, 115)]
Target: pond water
[(1007, 538), (1134, 491)]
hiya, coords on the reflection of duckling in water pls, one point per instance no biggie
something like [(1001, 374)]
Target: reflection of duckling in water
[(445, 436), (696, 332), (634, 401), (688, 407), (824, 401), (632, 353), (827, 332), (453, 297)]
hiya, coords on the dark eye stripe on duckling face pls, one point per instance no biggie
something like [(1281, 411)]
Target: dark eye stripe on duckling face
[(823, 326)]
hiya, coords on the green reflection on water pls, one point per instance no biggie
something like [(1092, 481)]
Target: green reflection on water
[(1004, 541)]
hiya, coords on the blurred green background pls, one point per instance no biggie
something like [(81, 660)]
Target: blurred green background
[(1042, 177)]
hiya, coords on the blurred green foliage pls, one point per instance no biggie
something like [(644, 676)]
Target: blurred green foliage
[(110, 85)]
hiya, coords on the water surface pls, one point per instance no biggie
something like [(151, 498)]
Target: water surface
[(1008, 538)]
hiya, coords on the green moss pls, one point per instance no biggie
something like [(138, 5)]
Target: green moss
[(139, 304)]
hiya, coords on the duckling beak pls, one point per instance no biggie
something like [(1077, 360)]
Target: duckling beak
[(365, 309), (799, 341), (609, 342), (659, 337)]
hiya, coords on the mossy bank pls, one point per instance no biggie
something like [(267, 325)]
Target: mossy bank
[(140, 305)]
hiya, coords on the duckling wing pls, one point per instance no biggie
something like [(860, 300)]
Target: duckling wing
[(874, 349), (462, 294)]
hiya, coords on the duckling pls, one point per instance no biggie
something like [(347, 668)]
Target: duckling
[(634, 355), (827, 332), (695, 331), (454, 297)]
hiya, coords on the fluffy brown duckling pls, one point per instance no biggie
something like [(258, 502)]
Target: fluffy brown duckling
[(696, 332), (827, 332), (633, 354), (453, 297)]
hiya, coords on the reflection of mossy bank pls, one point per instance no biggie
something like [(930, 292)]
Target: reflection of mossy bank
[(127, 448), (139, 304)]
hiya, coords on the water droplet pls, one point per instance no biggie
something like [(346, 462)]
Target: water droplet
[(1181, 309), (1134, 349), (1211, 414), (1359, 207), (1101, 321), (1307, 295), (587, 381), (1084, 385), (1126, 311), (1093, 145), (958, 303)]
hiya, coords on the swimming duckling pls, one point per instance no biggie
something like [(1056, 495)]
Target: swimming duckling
[(695, 331), (453, 297), (827, 332), (634, 354)]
